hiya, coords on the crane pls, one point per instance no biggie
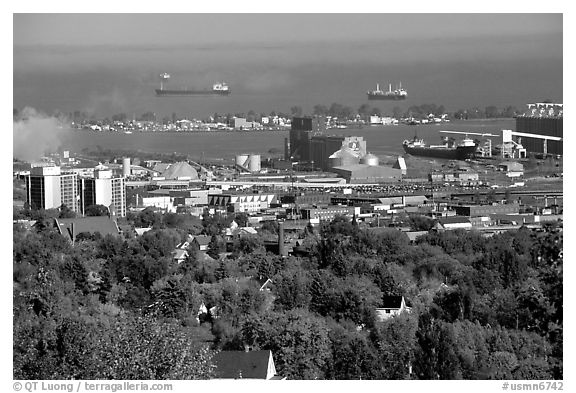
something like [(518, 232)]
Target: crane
[(483, 134), (469, 133)]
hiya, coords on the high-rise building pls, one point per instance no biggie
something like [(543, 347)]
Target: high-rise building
[(69, 191), (103, 189), (48, 188), (43, 187)]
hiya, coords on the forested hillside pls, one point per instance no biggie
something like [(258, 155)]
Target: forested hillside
[(122, 308)]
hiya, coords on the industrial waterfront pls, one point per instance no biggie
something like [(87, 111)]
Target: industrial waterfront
[(382, 140)]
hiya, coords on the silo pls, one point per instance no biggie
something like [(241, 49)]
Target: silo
[(254, 163), (342, 157), (242, 160), (348, 157), (335, 159), (126, 166), (370, 159)]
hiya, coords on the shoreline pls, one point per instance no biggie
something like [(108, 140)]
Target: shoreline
[(251, 131)]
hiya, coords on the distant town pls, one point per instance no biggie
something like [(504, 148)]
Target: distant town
[(336, 116)]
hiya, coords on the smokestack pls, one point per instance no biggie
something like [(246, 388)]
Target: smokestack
[(281, 239), (286, 149), (126, 166)]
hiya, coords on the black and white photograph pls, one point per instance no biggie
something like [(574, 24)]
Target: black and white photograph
[(291, 195)]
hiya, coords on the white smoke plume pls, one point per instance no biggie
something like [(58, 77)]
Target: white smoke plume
[(35, 134)]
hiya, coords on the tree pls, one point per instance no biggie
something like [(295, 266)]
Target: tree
[(148, 116), (320, 110), (96, 210), (66, 212), (491, 111), (241, 219), (364, 111), (419, 222), (353, 355), (296, 111), (298, 339), (292, 289), (395, 340), (148, 218), (246, 245), (121, 117)]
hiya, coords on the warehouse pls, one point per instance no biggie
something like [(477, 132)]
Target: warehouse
[(364, 173)]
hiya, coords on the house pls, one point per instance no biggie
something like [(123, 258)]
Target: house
[(264, 283), (71, 227), (184, 245), (239, 231), (141, 231), (179, 255), (391, 306), (245, 365), (201, 242), (413, 235)]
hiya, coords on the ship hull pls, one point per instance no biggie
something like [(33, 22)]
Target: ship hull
[(456, 153), (382, 97), (162, 93)]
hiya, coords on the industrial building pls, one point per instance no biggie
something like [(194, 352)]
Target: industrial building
[(540, 129), (512, 168), (328, 213), (180, 171), (250, 163), (242, 202), (306, 199), (364, 173), (324, 150), (486, 210), (301, 131)]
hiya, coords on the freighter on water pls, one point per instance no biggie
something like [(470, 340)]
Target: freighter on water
[(449, 150), (396, 94), (217, 89)]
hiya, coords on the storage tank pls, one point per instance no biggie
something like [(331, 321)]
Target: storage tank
[(348, 157), (254, 163), (342, 157), (334, 161), (126, 166), (370, 159), (242, 160)]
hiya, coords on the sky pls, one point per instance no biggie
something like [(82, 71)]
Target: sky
[(104, 64)]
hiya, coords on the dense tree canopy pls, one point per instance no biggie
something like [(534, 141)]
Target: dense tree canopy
[(481, 308)]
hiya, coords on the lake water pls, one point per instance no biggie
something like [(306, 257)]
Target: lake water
[(381, 140)]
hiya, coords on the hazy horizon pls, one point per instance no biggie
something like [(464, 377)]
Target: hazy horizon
[(107, 64)]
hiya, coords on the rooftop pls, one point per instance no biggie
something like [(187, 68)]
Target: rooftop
[(242, 365)]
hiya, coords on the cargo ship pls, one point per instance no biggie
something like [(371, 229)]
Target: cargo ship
[(221, 89), (449, 150), (396, 94)]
